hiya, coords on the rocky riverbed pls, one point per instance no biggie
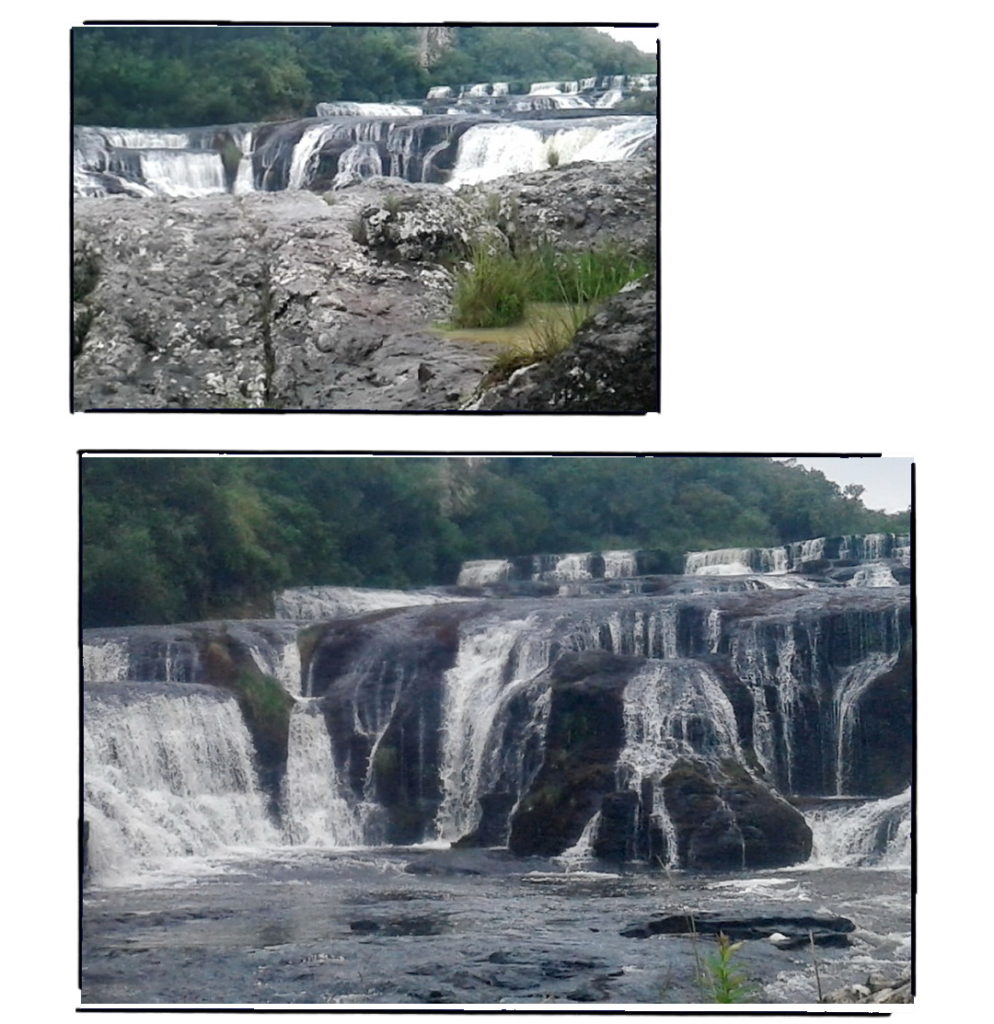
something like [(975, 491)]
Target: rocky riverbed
[(290, 300), (429, 926)]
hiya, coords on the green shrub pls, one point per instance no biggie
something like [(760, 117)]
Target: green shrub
[(552, 157)]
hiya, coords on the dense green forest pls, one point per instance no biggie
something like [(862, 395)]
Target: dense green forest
[(166, 77), (178, 539)]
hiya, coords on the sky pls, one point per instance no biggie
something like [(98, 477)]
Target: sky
[(887, 480), (643, 38)]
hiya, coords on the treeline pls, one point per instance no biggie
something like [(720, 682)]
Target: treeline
[(176, 77), (180, 539)]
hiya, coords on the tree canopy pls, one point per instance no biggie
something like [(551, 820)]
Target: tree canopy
[(179, 539), (168, 77)]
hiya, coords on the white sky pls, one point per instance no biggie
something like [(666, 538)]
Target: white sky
[(887, 480), (643, 38)]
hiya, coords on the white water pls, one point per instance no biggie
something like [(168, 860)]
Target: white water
[(188, 173), (348, 109), (876, 833), (476, 690), (721, 562), (482, 572), (105, 662), (673, 709), (876, 574), (285, 667), (489, 151), (244, 180), (582, 851), (167, 776), (553, 88), (315, 809), (318, 603), (619, 564), (358, 163), (853, 684)]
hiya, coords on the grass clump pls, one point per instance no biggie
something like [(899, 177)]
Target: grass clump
[(495, 289), (492, 292), (582, 277)]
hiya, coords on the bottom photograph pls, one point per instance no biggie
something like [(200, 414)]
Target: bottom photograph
[(510, 730)]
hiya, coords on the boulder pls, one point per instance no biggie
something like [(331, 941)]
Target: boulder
[(610, 366), (787, 929)]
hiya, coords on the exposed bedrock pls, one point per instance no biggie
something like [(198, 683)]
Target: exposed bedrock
[(288, 301)]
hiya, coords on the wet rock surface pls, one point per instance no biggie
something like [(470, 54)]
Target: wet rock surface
[(786, 929), (289, 301), (331, 927)]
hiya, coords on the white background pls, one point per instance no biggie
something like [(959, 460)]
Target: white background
[(826, 272)]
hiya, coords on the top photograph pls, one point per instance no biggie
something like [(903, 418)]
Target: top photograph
[(382, 218)]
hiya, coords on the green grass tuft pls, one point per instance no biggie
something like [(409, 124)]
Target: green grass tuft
[(492, 292)]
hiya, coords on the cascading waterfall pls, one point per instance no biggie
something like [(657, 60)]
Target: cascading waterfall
[(316, 811), (358, 163), (168, 773), (721, 562), (177, 172), (673, 709), (862, 833), (415, 738), (346, 109), (850, 688), (316, 603), (488, 151), (482, 572), (619, 564), (477, 688)]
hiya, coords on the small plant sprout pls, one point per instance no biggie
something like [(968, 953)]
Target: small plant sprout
[(719, 978)]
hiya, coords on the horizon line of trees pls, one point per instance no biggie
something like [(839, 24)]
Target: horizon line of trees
[(181, 539), (172, 77)]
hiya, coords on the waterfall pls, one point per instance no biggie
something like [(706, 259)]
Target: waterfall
[(305, 154), (494, 661), (488, 151), (314, 806), (483, 572), (876, 574), (168, 773), (244, 179), (673, 709), (319, 603), (619, 564), (854, 682), (106, 662), (865, 833), (722, 562), (176, 172), (347, 109), (358, 163), (582, 851)]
